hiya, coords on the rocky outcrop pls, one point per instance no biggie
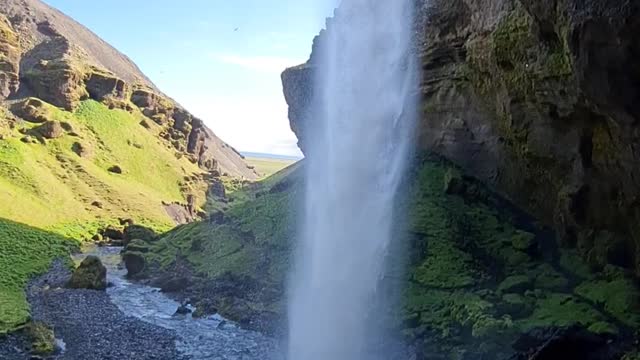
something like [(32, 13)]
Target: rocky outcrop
[(536, 98), (9, 58), (91, 274), (46, 55), (32, 110)]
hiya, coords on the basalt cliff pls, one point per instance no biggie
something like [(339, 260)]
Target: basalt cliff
[(537, 99)]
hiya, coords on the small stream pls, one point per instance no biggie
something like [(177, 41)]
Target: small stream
[(206, 338)]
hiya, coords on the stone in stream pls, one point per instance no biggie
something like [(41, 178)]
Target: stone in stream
[(134, 262), (91, 274), (182, 310)]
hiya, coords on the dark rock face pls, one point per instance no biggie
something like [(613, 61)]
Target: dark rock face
[(567, 343), (9, 58), (102, 85), (91, 274), (537, 98)]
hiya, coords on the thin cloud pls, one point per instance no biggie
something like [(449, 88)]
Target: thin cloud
[(264, 64)]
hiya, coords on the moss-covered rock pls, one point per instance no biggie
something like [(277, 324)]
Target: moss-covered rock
[(136, 245), (619, 297), (91, 274), (562, 310), (515, 284), (135, 262), (523, 241), (139, 232), (43, 342)]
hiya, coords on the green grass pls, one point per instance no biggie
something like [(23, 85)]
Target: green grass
[(51, 181), (25, 251), (47, 190), (267, 166)]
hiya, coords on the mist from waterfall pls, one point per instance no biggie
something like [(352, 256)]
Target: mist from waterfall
[(359, 139)]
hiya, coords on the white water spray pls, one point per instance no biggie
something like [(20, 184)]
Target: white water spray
[(359, 136)]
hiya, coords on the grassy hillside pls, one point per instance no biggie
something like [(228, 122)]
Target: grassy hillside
[(24, 252), (50, 179), (268, 166), (56, 192)]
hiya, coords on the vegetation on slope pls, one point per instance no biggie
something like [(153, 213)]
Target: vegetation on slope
[(59, 186), (66, 181), (480, 275), (25, 251), (243, 251)]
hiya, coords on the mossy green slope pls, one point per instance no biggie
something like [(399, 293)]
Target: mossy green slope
[(49, 185), (25, 251), (246, 248), (56, 189), (480, 274)]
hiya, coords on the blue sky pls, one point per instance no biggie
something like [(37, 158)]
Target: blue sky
[(192, 51)]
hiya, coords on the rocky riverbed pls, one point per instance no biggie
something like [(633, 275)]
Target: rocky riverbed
[(128, 321)]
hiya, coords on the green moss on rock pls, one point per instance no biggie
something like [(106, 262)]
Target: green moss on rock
[(561, 310), (515, 284), (91, 274), (43, 341), (619, 297)]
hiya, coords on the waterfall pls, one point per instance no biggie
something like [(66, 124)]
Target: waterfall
[(359, 138)]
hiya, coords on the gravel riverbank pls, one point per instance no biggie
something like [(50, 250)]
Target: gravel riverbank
[(90, 325)]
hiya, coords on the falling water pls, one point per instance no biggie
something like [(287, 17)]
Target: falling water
[(359, 138)]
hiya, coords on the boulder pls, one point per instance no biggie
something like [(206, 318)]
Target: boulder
[(81, 150), (50, 130), (43, 341), (115, 169), (182, 310), (91, 274), (113, 233), (134, 262), (171, 284), (143, 233), (31, 110)]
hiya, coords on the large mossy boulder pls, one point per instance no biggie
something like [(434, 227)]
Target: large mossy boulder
[(143, 233), (135, 262), (91, 274)]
